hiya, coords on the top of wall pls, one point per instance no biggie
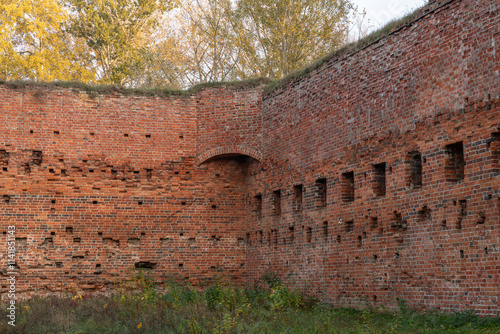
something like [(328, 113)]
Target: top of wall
[(392, 28), (94, 90)]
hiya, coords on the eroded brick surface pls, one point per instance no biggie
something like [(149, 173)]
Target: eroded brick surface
[(373, 178)]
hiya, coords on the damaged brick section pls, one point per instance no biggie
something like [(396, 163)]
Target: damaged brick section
[(374, 177)]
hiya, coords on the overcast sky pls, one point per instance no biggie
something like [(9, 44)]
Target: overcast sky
[(379, 12)]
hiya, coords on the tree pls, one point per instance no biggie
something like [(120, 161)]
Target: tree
[(118, 32), (33, 44), (284, 35)]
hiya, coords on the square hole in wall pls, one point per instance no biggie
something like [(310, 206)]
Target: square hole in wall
[(379, 178), (455, 163), (347, 180)]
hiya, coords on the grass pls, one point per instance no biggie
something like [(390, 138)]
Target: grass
[(94, 89), (265, 307)]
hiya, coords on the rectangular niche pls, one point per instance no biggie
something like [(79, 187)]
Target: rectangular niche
[(347, 180), (321, 192), (298, 192), (379, 178), (455, 163), (257, 205), (414, 161), (276, 202)]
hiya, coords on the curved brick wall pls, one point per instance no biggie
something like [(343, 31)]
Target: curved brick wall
[(374, 177)]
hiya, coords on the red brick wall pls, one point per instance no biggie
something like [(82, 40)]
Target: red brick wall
[(426, 86), (378, 175), (98, 185)]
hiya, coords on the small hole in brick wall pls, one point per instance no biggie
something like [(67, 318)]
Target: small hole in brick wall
[(52, 233), (143, 233), (481, 218), (181, 234), (321, 192), (360, 241), (63, 172), (339, 239), (148, 136), (276, 202), (31, 131), (91, 170), (257, 205), (374, 298), (77, 240), (183, 203), (349, 225), (125, 134), (396, 255), (347, 185), (375, 257), (51, 170), (94, 202), (69, 229), (298, 192), (181, 265), (455, 163), (98, 265), (291, 232), (145, 265), (181, 136), (379, 177), (84, 161), (176, 173), (486, 250), (373, 222), (214, 206), (461, 254), (53, 201), (99, 233), (4, 232), (56, 132), (414, 180), (462, 214), (91, 133), (443, 223), (140, 202), (6, 199), (217, 175), (136, 172), (309, 234), (5, 169)]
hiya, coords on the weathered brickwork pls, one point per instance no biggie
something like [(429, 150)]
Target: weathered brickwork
[(374, 177)]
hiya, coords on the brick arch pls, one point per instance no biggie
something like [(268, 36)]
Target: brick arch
[(229, 151)]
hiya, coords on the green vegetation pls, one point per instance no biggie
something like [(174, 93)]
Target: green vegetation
[(269, 306)]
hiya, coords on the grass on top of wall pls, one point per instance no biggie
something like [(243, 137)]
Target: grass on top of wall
[(266, 307)]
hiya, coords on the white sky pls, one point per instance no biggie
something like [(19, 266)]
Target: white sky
[(379, 12)]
